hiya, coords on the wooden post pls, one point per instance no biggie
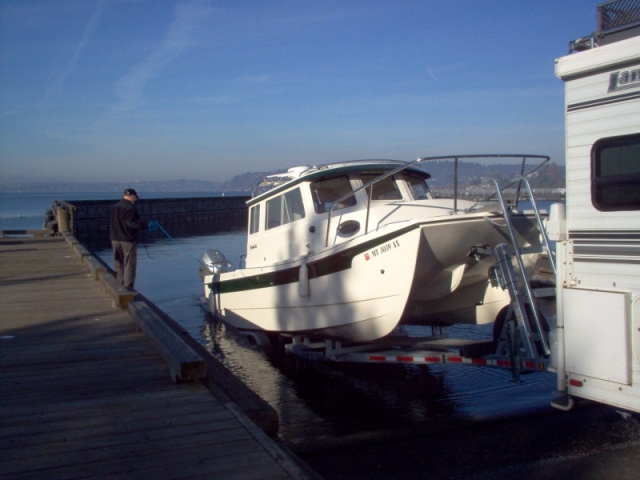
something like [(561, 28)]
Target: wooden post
[(121, 296), (184, 363)]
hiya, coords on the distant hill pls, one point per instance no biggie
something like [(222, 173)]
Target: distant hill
[(551, 175)]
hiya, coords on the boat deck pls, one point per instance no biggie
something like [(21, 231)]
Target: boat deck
[(83, 394)]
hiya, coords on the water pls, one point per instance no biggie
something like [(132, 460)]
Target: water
[(322, 401)]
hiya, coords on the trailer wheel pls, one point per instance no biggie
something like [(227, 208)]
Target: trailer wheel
[(500, 334), (498, 325)]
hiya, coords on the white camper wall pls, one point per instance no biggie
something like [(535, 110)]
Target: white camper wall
[(599, 281), (593, 112)]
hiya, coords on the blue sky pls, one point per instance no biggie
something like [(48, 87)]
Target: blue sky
[(127, 90)]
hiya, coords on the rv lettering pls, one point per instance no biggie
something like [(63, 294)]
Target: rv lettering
[(624, 79)]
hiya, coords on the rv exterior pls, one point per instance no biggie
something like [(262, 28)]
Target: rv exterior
[(598, 240)]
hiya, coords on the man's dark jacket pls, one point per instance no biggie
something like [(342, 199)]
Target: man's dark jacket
[(124, 222)]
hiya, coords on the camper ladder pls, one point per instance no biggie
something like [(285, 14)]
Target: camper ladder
[(524, 328)]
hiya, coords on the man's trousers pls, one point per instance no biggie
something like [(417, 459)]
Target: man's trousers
[(125, 259)]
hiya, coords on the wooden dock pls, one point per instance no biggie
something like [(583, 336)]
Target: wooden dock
[(84, 394)]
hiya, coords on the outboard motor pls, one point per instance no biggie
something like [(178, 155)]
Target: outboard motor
[(216, 262), (213, 264)]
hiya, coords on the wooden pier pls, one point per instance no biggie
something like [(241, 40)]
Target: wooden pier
[(85, 394)]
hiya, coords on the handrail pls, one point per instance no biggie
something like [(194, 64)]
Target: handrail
[(455, 158), (514, 242), (545, 159), (543, 231)]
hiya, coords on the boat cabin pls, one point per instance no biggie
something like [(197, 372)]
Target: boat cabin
[(293, 218)]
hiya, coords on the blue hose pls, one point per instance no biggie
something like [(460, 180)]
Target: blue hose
[(155, 225)]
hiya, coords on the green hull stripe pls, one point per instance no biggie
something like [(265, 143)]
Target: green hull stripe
[(319, 268)]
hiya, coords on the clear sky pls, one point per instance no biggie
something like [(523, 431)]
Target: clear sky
[(119, 90)]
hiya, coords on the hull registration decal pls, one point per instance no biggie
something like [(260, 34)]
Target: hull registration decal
[(382, 249)]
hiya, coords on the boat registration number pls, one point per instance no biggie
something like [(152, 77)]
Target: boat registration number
[(387, 247)]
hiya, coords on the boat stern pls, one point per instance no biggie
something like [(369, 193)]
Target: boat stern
[(451, 282)]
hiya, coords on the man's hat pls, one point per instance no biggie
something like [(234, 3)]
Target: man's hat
[(130, 191)]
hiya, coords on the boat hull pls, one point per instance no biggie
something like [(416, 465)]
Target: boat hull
[(356, 292), (417, 273), (451, 283)]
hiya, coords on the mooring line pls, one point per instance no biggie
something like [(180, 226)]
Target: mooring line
[(155, 225)]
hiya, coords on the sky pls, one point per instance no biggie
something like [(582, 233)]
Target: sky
[(156, 90)]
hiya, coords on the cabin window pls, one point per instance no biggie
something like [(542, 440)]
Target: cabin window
[(327, 190), (385, 189), (254, 219), (615, 173), (419, 187), (285, 208)]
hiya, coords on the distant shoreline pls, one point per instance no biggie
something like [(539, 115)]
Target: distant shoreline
[(471, 174), (118, 193)]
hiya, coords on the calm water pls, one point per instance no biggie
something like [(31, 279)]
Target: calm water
[(319, 400)]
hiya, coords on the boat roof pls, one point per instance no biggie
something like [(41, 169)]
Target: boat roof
[(282, 181)]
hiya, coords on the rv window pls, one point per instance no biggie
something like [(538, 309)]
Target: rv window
[(328, 190), (284, 209), (615, 173), (254, 223), (385, 189)]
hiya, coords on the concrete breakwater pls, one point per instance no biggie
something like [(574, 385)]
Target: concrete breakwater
[(88, 220)]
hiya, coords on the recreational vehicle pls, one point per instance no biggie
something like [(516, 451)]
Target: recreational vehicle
[(597, 339)]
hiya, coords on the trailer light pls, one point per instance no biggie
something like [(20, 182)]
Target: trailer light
[(575, 383)]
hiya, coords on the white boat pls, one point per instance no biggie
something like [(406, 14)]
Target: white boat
[(352, 250)]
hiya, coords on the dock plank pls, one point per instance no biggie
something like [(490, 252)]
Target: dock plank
[(83, 393), (92, 415)]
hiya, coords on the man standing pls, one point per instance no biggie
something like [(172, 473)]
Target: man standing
[(124, 227)]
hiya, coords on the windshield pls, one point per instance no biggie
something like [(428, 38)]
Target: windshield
[(385, 189), (327, 190)]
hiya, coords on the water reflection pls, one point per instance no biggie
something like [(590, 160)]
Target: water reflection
[(318, 398), (328, 399)]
